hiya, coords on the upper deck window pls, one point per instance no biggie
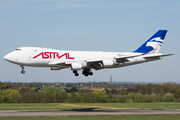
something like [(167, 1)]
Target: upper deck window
[(18, 49)]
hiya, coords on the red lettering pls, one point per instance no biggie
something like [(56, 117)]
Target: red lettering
[(52, 55), (38, 55), (69, 57), (46, 56), (61, 56)]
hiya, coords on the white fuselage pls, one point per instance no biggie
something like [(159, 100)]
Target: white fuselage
[(44, 57)]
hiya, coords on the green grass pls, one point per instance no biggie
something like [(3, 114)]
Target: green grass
[(36, 106), (158, 105), (110, 117), (59, 106), (68, 106)]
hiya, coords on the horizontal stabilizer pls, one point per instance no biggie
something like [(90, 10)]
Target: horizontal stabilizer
[(157, 55)]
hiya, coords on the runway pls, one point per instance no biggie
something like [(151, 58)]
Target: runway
[(82, 112)]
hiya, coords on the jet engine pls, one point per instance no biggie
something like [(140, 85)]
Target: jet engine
[(76, 66), (55, 68), (107, 63)]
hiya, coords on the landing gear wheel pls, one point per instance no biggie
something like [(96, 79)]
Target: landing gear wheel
[(22, 71), (76, 74), (87, 72), (90, 73), (86, 75)]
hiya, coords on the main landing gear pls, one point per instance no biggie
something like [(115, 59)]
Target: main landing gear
[(75, 72), (22, 71), (87, 72)]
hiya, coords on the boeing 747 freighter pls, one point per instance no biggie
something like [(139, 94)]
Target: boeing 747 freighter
[(85, 60)]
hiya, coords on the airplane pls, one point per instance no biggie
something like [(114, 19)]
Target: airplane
[(87, 60)]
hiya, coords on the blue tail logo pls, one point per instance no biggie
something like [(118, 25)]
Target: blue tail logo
[(153, 44)]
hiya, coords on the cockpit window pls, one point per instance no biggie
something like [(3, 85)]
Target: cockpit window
[(18, 49)]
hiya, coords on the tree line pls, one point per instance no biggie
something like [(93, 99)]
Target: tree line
[(166, 92)]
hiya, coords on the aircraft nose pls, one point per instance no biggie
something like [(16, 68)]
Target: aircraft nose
[(10, 57), (7, 57)]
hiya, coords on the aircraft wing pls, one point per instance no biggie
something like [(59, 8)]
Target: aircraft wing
[(94, 63), (123, 59), (157, 55), (97, 64)]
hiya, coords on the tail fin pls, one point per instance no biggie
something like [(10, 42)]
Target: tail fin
[(153, 44)]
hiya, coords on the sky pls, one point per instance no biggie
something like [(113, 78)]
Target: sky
[(90, 25)]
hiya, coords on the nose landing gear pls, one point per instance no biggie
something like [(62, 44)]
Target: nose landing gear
[(22, 71)]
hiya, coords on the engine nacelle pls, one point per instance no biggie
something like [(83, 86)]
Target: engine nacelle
[(76, 66), (55, 68), (107, 63)]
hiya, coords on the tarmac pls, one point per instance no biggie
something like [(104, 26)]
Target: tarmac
[(83, 112)]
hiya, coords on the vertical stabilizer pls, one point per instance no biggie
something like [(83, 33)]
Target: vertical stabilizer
[(153, 44)]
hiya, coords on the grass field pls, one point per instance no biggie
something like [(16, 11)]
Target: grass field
[(159, 105), (111, 117), (68, 106), (36, 106)]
